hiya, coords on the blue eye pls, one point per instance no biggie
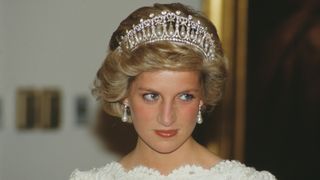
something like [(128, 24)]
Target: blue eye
[(150, 96), (186, 97)]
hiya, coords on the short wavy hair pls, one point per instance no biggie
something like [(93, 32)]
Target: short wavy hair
[(120, 67)]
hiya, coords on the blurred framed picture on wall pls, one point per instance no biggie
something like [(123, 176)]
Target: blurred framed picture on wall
[(81, 110), (50, 110), (27, 108), (38, 108)]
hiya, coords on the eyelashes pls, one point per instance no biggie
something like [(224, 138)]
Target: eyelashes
[(152, 97), (186, 97)]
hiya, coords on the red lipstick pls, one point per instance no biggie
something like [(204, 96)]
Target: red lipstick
[(166, 133)]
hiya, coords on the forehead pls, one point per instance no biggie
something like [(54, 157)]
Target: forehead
[(167, 80)]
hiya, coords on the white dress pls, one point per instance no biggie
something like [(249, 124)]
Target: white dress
[(224, 170)]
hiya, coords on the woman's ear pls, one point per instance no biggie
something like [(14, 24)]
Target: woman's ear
[(125, 101), (201, 103)]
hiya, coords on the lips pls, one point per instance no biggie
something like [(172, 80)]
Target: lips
[(166, 133)]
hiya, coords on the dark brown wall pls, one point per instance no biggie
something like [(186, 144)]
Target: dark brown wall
[(283, 97)]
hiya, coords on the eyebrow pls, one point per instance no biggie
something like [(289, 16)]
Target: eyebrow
[(152, 90), (147, 89)]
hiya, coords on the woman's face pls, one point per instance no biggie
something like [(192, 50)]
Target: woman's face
[(164, 105)]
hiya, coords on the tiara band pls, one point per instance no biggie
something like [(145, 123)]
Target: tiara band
[(171, 27)]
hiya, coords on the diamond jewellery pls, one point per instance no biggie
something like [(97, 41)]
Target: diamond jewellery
[(172, 27)]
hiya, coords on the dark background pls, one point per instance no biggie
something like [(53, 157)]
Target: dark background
[(283, 88)]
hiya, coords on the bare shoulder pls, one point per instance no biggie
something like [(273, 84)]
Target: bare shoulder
[(127, 161), (207, 158)]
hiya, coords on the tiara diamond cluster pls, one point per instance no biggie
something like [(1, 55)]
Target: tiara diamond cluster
[(172, 27)]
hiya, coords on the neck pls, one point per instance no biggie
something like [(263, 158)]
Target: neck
[(143, 155)]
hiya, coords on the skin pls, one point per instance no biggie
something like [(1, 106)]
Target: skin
[(166, 100)]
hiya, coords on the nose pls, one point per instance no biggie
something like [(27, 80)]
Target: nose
[(167, 116)]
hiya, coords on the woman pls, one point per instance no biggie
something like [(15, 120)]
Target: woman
[(164, 67)]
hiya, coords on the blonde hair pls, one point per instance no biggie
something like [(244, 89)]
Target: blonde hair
[(121, 67)]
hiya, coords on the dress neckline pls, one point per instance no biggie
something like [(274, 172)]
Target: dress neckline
[(186, 169)]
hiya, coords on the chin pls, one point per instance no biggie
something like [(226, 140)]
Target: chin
[(165, 148)]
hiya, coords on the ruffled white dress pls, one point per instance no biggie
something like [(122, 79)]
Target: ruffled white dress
[(224, 170)]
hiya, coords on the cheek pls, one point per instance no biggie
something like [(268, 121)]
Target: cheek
[(140, 112), (142, 118), (189, 113)]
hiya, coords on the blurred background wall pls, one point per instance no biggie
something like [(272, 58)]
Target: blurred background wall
[(2, 82), (58, 44), (283, 93)]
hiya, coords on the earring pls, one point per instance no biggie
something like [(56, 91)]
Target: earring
[(125, 117), (199, 116)]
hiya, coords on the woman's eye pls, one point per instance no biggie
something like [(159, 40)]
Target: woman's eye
[(150, 96), (186, 97)]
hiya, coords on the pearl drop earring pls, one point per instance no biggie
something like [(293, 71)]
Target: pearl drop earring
[(199, 116), (125, 117)]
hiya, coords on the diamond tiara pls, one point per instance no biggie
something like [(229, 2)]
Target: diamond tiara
[(172, 27)]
